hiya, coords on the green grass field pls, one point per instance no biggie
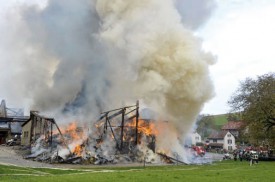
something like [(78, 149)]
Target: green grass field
[(220, 171), (220, 119)]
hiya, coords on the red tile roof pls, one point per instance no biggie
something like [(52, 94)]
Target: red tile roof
[(217, 135), (232, 125)]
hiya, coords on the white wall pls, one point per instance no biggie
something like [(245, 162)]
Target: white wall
[(227, 137), (195, 137)]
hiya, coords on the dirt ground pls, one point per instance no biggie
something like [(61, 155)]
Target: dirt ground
[(11, 155)]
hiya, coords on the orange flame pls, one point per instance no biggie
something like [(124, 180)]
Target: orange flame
[(145, 127), (74, 133), (78, 150)]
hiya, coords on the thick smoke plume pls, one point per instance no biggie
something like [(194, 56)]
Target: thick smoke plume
[(77, 58)]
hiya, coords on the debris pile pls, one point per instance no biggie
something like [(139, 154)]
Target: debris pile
[(118, 136)]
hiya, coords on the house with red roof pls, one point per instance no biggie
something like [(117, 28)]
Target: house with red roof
[(233, 127)]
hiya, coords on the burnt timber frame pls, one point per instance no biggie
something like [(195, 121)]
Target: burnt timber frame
[(49, 123), (120, 112)]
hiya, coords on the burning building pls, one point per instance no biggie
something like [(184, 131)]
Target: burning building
[(119, 135), (83, 57)]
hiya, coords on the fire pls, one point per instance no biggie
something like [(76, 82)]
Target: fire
[(127, 134), (74, 134), (150, 129), (78, 150), (146, 127)]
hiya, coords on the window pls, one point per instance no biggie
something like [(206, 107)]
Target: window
[(197, 138), (229, 147), (229, 135), (26, 133), (229, 141), (214, 140)]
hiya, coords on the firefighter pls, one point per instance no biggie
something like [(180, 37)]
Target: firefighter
[(241, 155), (235, 155), (254, 158)]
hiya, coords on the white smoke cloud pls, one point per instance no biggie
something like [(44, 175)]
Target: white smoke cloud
[(82, 57)]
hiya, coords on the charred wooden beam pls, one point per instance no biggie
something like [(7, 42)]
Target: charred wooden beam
[(171, 158), (122, 129), (116, 114), (137, 116), (105, 124), (51, 136), (118, 109), (131, 111), (131, 118), (117, 144), (102, 116)]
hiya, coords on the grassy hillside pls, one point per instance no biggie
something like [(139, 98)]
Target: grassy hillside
[(220, 119)]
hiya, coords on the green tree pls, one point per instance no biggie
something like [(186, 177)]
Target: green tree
[(232, 117), (255, 99), (205, 125)]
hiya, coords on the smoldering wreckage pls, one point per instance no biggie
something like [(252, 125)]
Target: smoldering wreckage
[(118, 136)]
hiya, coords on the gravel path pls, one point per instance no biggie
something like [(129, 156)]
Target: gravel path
[(8, 156)]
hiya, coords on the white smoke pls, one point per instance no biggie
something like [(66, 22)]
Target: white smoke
[(81, 57)]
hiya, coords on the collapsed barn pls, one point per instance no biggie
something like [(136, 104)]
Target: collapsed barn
[(118, 135)]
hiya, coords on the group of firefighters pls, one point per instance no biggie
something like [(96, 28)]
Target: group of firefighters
[(251, 156)]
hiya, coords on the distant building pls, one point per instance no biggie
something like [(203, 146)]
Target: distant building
[(10, 122), (222, 140), (193, 139), (5, 131), (233, 127)]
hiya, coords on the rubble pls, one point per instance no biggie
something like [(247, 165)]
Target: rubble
[(118, 136)]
